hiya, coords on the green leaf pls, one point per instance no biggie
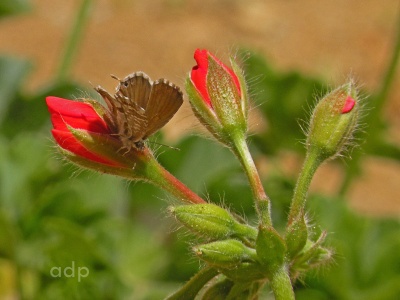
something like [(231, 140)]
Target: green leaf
[(10, 7), (12, 74), (271, 248)]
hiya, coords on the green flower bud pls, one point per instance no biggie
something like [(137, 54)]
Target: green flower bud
[(246, 271), (296, 236), (227, 253), (312, 255), (333, 122), (270, 248), (211, 221)]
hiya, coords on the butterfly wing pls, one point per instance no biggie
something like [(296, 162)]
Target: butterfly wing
[(164, 101), (132, 96), (139, 107), (137, 88)]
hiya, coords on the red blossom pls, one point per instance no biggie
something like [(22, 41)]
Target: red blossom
[(76, 115)]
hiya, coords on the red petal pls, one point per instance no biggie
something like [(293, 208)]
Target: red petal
[(67, 141), (349, 104), (76, 114), (199, 74)]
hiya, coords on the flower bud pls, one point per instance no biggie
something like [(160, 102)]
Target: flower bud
[(211, 221), (84, 137), (218, 96), (333, 122), (245, 272), (227, 253), (312, 255), (271, 248), (296, 236)]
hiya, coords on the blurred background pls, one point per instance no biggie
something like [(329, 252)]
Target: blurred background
[(54, 215)]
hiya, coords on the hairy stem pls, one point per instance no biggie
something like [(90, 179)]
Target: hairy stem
[(73, 41), (262, 201), (159, 176), (311, 163), (194, 285), (281, 285)]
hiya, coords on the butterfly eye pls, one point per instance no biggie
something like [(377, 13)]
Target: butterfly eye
[(126, 84)]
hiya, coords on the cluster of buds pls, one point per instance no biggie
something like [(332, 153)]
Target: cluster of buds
[(246, 256)]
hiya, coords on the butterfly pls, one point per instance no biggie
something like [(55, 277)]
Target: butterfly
[(140, 107)]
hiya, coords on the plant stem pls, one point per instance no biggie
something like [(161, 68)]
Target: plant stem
[(262, 201), (311, 163), (144, 167), (389, 74), (20, 284), (194, 285), (159, 176), (281, 285), (73, 40)]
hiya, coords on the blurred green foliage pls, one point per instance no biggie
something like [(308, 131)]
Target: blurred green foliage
[(54, 215), (11, 7)]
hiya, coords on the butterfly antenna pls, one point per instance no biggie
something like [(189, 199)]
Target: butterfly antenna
[(174, 148), (115, 77)]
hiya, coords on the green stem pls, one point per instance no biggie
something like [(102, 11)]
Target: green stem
[(73, 41), (159, 176), (194, 285), (20, 282), (262, 201), (141, 165), (240, 290), (311, 163), (281, 285), (389, 74)]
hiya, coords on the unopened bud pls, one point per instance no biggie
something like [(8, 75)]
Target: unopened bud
[(271, 248), (218, 95), (313, 254), (296, 236), (245, 272), (211, 221), (227, 253), (333, 122)]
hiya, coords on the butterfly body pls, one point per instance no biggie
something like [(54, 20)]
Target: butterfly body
[(140, 107)]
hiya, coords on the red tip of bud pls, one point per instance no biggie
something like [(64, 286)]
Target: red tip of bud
[(349, 104)]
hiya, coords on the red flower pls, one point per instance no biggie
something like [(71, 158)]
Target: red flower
[(67, 115), (200, 73)]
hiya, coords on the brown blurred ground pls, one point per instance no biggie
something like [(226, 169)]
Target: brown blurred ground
[(328, 39)]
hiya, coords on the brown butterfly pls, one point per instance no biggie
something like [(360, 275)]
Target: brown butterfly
[(140, 107)]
